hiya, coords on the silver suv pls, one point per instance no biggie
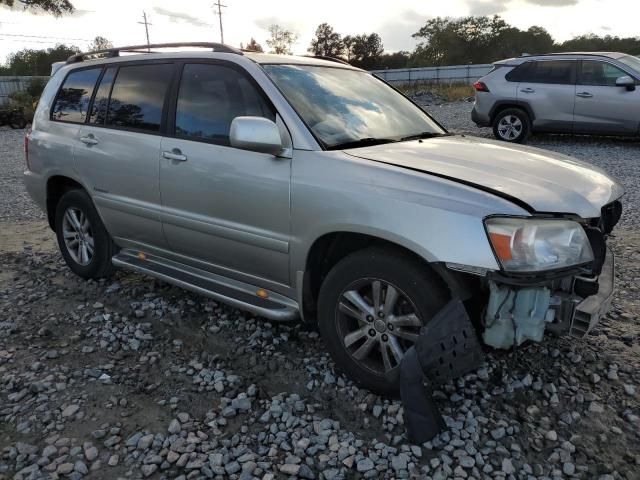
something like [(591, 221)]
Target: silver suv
[(298, 187), (580, 93)]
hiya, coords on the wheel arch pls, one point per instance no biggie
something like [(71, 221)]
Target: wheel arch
[(57, 186), (328, 249), (505, 104)]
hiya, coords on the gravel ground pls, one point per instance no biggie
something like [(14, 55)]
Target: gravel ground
[(132, 378)]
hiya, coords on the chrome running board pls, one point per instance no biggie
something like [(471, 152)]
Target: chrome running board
[(237, 294)]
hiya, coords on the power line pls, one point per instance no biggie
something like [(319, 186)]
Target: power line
[(146, 26), (219, 13), (43, 36)]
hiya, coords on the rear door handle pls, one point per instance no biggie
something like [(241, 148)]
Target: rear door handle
[(527, 90), (89, 139), (175, 155), (584, 95)]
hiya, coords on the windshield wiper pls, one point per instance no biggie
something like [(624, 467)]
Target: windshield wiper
[(422, 135), (362, 142)]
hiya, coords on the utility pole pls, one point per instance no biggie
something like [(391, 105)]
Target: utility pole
[(146, 28), (219, 13)]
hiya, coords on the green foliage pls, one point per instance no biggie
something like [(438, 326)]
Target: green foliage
[(281, 40), (447, 41), (36, 62), (326, 42), (54, 7), (594, 43), (363, 51)]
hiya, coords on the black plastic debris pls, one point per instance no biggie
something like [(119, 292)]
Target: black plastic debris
[(446, 349)]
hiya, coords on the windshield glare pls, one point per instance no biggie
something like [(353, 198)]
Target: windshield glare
[(342, 106), (633, 62)]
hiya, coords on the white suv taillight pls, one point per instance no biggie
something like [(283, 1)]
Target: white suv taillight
[(26, 147)]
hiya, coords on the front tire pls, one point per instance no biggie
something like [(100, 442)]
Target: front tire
[(372, 305), (83, 240), (512, 125)]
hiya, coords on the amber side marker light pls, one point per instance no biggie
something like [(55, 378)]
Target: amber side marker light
[(502, 245), (262, 293)]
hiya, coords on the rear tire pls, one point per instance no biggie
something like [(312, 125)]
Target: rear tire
[(512, 125), (17, 122), (83, 240), (418, 293)]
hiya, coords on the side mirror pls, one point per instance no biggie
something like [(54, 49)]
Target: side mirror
[(626, 81), (256, 134)]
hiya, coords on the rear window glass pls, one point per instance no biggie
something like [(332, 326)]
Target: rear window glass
[(138, 96), (101, 101), (550, 71), (518, 73), (73, 98)]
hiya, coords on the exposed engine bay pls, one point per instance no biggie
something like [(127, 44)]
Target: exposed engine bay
[(518, 310)]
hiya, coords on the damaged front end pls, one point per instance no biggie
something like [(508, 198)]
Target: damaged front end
[(573, 304), (524, 299)]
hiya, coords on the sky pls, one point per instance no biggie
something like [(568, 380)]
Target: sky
[(394, 21)]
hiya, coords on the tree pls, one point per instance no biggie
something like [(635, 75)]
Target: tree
[(252, 46), (55, 7), (326, 42), (363, 50), (447, 41), (281, 40), (394, 60), (37, 62), (99, 43)]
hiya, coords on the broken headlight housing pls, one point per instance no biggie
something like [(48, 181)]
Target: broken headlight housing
[(534, 244)]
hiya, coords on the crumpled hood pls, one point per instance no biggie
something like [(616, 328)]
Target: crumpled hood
[(543, 180)]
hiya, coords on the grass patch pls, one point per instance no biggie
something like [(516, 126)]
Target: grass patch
[(449, 91)]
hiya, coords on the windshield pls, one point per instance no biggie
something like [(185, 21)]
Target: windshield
[(633, 62), (347, 108)]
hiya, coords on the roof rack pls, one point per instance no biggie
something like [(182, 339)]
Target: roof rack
[(329, 59), (115, 52)]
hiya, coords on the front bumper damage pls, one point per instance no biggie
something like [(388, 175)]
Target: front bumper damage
[(517, 313)]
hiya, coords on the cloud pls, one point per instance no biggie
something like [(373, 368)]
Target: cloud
[(180, 17), (396, 32), (553, 3), (489, 7), (296, 26)]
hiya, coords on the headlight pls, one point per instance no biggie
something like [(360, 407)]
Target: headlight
[(532, 245)]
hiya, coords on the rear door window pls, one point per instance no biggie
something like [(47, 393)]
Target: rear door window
[(604, 74), (210, 97), (72, 100), (559, 72), (138, 95)]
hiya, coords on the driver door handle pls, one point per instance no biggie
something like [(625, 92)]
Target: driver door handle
[(89, 139), (584, 95), (175, 155), (527, 90)]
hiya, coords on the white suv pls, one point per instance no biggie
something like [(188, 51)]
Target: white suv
[(581, 93)]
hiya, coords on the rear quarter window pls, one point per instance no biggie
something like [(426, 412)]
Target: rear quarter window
[(74, 95), (518, 73)]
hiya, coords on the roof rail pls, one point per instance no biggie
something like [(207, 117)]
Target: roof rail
[(329, 59), (115, 52)]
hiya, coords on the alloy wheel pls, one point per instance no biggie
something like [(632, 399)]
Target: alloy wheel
[(510, 127), (78, 236), (378, 324)]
